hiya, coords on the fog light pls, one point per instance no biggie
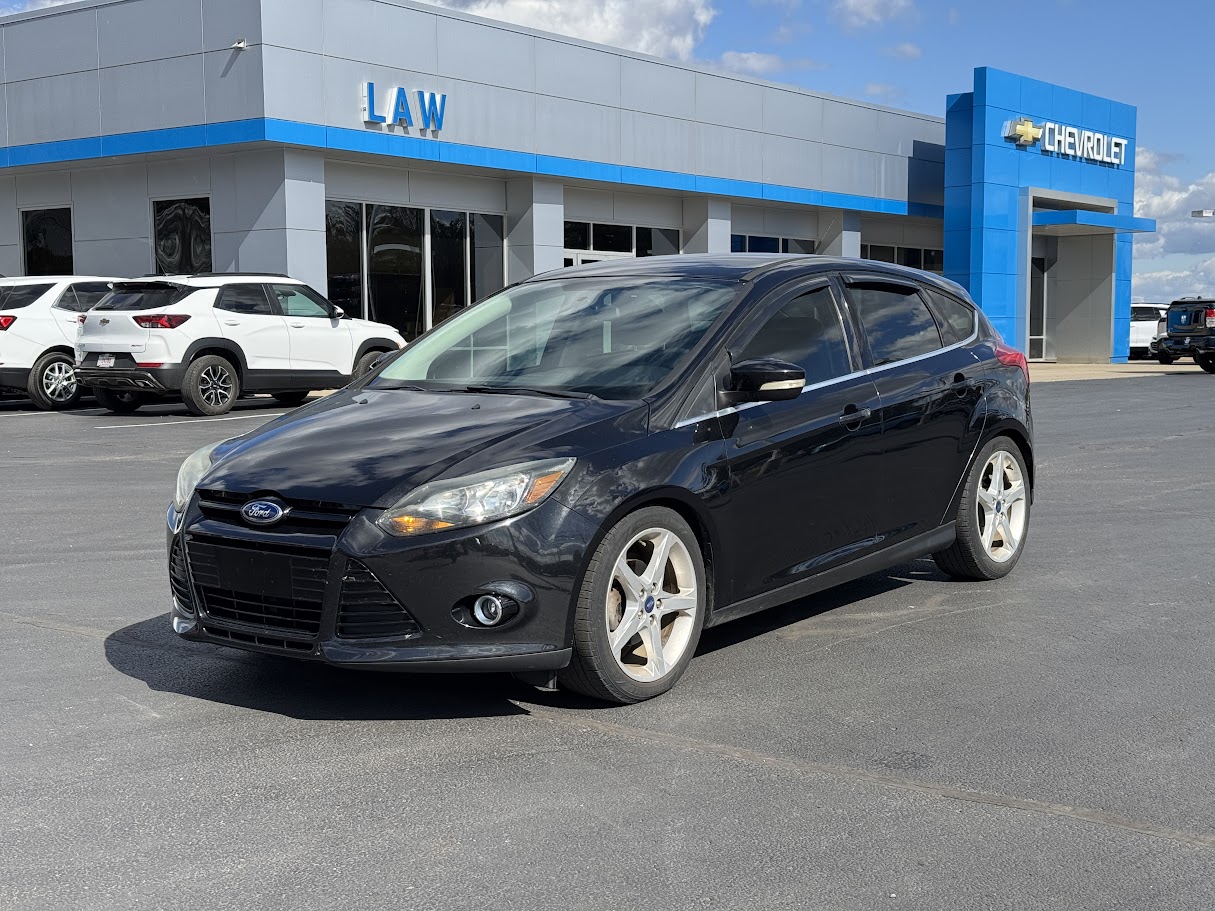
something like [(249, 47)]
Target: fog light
[(488, 610)]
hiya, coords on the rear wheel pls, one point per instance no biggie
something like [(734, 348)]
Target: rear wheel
[(210, 386), (640, 610), (1164, 358), (993, 516), (365, 362), (1207, 363), (292, 399), (52, 383), (119, 401)]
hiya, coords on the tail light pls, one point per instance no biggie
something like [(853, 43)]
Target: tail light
[(1211, 317), (1011, 357), (81, 318), (6, 321), (161, 320)]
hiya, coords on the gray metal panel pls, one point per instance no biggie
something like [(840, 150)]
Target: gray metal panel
[(110, 203), (576, 129), (148, 30), (28, 44), (479, 53), (747, 219), (903, 134), (850, 125), (179, 178), (226, 21), (233, 85), (570, 71), (293, 24), (851, 171), (259, 186), (10, 228), (647, 209), (382, 34), (366, 183), (152, 96), (791, 162), (10, 260), (589, 205), (455, 191), (729, 102), (294, 84), (306, 257), (731, 153), (657, 88), (892, 177), (654, 141), (119, 256), (54, 107), (793, 114), (44, 189)]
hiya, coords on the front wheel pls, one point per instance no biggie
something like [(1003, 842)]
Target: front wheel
[(1164, 358), (291, 399), (640, 610), (210, 386), (993, 515), (1207, 363), (365, 363), (52, 383), (119, 401)]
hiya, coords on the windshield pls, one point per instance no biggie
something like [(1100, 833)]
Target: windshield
[(14, 297), (611, 337)]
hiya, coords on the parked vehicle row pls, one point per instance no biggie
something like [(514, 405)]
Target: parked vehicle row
[(1190, 325), (206, 338)]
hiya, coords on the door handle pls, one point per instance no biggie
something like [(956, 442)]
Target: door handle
[(297, 325), (854, 415), (231, 322)]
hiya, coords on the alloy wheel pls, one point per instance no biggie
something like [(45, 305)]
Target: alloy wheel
[(215, 386), (651, 604), (59, 381), (1001, 506)]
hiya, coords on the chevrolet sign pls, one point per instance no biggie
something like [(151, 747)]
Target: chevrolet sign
[(1065, 140)]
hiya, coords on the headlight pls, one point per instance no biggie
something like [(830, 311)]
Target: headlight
[(475, 499), (190, 473)]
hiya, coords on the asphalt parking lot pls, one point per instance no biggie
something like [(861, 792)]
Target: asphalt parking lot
[(900, 742)]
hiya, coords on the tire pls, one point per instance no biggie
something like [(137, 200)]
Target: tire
[(291, 399), (364, 364), (1165, 359), (52, 384), (610, 603), (119, 401), (1004, 509), (210, 386), (1207, 363)]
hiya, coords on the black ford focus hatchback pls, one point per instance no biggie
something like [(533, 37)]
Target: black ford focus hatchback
[(573, 478)]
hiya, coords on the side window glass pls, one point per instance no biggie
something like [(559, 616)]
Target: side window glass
[(67, 301), (294, 300), (806, 331), (960, 316), (896, 320), (89, 294), (247, 299)]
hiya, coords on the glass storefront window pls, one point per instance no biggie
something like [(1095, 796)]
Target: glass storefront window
[(738, 243), (881, 253), (794, 245), (447, 263), (934, 260), (486, 243), (911, 257), (577, 235), (344, 254), (46, 236), (657, 242), (612, 238), (182, 235), (394, 268), (757, 244)]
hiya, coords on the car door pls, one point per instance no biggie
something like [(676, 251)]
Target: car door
[(802, 471), (77, 298), (320, 343), (930, 385), (248, 316)]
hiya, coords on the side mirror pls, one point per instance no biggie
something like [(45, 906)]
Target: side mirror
[(337, 313), (765, 380)]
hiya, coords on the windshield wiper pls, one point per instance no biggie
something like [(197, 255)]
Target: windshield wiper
[(531, 390)]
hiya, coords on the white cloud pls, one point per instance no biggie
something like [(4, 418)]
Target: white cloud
[(905, 50), (1170, 200), (752, 62), (1169, 284), (666, 28), (861, 13), (881, 90)]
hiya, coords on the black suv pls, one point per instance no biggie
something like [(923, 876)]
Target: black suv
[(576, 476), (1191, 331)]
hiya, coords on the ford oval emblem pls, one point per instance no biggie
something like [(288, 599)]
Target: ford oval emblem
[(262, 512)]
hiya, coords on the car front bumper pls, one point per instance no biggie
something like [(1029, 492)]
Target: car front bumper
[(306, 591)]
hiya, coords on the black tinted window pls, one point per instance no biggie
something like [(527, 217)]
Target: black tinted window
[(896, 320), (14, 297), (89, 294), (247, 299), (1144, 314), (959, 316), (142, 297), (806, 331)]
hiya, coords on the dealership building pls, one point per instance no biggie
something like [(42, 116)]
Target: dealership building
[(406, 160)]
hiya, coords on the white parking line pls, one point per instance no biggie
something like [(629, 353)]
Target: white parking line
[(33, 414), (241, 417)]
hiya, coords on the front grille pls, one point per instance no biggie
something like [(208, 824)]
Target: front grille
[(306, 516), (259, 641), (251, 587), (179, 577), (369, 611)]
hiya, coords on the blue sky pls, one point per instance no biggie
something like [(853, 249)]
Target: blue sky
[(912, 53)]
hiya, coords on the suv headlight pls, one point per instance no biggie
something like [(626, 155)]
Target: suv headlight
[(190, 473), (475, 499)]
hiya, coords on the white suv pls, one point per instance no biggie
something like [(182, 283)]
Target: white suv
[(212, 338), (38, 324)]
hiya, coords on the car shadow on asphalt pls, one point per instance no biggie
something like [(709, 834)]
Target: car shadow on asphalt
[(150, 651)]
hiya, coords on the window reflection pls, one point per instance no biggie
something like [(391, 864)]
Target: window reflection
[(344, 254), (394, 268), (182, 242), (47, 238), (447, 263)]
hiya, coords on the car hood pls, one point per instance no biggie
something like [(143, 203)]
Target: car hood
[(369, 447)]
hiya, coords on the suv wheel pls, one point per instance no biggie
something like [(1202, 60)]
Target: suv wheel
[(365, 362), (291, 399), (119, 401), (1207, 363), (640, 609), (1164, 358), (52, 383), (993, 517), (210, 386)]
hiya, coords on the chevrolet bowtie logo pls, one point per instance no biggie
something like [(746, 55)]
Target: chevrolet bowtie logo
[(1023, 132)]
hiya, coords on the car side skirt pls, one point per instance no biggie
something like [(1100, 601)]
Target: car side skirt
[(911, 549)]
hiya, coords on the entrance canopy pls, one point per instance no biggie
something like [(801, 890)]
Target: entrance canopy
[(1085, 221)]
